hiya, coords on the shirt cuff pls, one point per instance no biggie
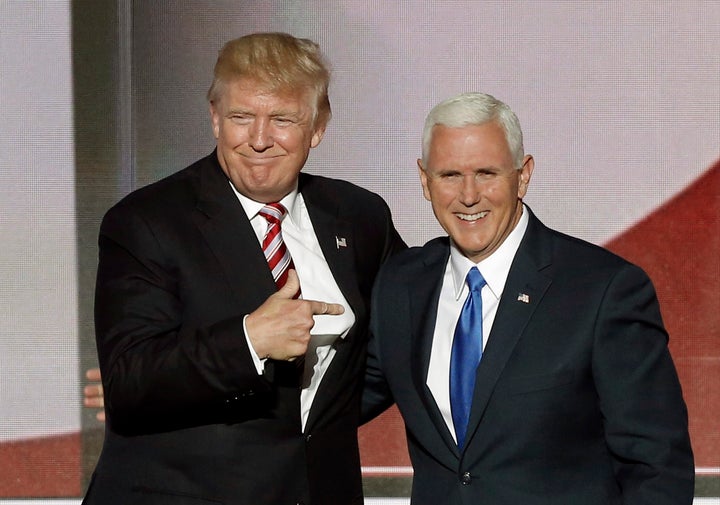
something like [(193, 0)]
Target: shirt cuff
[(259, 363)]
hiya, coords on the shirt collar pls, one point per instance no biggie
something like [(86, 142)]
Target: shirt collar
[(496, 267), (291, 202)]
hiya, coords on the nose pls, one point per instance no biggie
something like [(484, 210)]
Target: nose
[(260, 136), (470, 190)]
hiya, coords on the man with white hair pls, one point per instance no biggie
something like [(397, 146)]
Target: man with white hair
[(530, 367)]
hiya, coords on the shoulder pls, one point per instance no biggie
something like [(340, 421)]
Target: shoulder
[(169, 195), (166, 200), (410, 269), (545, 243), (327, 191), (583, 261), (419, 259), (586, 254)]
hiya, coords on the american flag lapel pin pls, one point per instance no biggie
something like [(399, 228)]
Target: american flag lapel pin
[(340, 242), (523, 297)]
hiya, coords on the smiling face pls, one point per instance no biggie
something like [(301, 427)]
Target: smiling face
[(263, 137), (475, 190)]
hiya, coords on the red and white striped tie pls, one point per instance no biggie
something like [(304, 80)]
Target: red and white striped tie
[(276, 253)]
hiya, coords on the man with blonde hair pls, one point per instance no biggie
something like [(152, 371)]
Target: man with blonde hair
[(231, 306)]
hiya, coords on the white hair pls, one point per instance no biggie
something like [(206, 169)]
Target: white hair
[(475, 109)]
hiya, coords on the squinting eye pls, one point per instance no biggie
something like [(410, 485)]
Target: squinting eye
[(484, 175)]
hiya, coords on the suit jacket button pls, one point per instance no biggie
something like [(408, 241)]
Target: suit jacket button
[(466, 479), (307, 438)]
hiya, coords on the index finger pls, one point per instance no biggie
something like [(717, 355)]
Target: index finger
[(93, 390), (325, 308), (93, 374)]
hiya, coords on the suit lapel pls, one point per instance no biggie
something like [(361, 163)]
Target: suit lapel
[(524, 288), (424, 293), (337, 241), (331, 230), (229, 235)]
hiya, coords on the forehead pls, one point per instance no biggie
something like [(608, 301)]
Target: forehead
[(255, 95), (484, 144)]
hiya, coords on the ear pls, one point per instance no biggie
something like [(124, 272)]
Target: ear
[(524, 175), (215, 119), (317, 136), (423, 180)]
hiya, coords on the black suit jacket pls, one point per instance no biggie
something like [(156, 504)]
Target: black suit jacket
[(576, 397), (189, 419)]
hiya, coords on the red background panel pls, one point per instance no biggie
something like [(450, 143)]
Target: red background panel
[(678, 247), (43, 467)]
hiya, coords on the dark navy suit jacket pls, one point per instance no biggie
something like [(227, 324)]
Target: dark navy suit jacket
[(576, 399)]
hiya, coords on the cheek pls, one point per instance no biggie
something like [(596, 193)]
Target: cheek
[(500, 194), (292, 139), (440, 196), (227, 134), (290, 143)]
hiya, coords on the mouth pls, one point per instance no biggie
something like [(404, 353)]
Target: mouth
[(258, 156), (471, 217), (260, 159)]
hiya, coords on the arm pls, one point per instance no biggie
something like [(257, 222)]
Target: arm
[(172, 351), (640, 397), (377, 396)]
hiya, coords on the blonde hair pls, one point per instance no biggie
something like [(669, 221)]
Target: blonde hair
[(280, 63)]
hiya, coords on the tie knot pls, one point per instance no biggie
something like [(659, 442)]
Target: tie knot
[(273, 212), (475, 280)]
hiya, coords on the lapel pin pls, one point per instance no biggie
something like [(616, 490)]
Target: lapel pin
[(522, 297), (340, 242)]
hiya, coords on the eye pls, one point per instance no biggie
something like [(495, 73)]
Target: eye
[(283, 120), (449, 176), (241, 118)]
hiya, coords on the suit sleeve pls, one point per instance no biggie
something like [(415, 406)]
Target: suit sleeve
[(377, 396), (159, 371), (393, 241), (640, 396)]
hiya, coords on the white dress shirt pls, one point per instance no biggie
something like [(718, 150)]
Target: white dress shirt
[(316, 283), (494, 270)]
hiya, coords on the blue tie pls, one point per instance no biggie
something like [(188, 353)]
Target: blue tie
[(466, 353)]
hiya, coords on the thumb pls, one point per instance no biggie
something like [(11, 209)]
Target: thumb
[(291, 287)]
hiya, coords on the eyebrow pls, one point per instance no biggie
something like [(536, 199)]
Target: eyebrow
[(239, 111), (288, 113), (445, 171), (274, 114)]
